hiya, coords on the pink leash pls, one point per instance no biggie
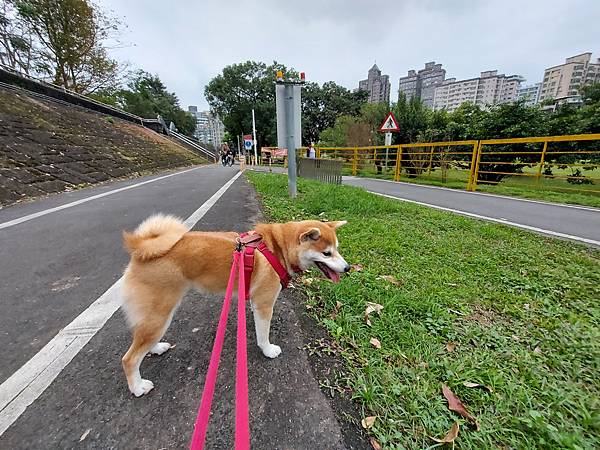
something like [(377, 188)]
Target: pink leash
[(242, 428)]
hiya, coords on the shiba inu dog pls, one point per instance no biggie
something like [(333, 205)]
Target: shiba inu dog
[(167, 260)]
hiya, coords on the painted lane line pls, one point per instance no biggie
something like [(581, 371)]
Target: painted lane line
[(32, 216), (493, 219), (484, 194), (33, 378)]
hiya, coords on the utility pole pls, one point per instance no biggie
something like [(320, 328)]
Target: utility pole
[(254, 137), (289, 132)]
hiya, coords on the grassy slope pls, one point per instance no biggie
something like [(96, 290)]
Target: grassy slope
[(523, 310)]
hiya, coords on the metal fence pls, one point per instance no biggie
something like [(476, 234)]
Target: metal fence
[(559, 163), (325, 170)]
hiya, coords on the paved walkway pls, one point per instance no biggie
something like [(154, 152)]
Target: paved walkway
[(579, 223), (59, 255)]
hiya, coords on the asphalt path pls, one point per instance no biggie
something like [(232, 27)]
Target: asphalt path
[(579, 223), (56, 265)]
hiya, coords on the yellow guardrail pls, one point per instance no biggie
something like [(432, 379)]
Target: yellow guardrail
[(545, 162)]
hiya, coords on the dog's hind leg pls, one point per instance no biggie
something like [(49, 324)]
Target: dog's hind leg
[(263, 301), (148, 329)]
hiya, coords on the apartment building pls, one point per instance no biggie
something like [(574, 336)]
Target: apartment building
[(489, 89), (422, 84), (530, 94), (209, 128), (562, 83), (377, 85)]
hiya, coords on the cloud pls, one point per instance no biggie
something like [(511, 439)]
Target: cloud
[(189, 42)]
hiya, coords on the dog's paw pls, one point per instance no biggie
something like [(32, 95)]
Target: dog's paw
[(271, 351), (160, 348), (143, 387)]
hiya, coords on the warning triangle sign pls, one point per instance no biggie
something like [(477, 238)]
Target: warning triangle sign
[(389, 124)]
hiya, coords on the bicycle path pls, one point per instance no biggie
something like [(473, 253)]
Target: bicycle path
[(54, 266)]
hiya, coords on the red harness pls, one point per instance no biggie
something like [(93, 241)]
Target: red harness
[(252, 241)]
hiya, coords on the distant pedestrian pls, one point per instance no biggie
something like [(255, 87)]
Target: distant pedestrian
[(312, 153)]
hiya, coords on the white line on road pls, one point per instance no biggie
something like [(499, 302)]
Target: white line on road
[(494, 219), (484, 194), (27, 384), (13, 222)]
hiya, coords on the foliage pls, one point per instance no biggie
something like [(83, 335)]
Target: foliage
[(322, 105), (148, 97), (66, 40), (470, 122), (241, 88), (251, 85), (17, 49), (472, 302)]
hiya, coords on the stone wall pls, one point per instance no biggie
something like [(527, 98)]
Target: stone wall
[(48, 147)]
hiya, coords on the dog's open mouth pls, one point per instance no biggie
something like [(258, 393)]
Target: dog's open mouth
[(331, 274)]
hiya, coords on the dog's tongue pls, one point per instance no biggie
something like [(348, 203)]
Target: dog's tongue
[(333, 275)]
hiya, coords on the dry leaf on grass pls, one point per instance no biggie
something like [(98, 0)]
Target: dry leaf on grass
[(375, 342), (356, 267), (450, 435), (375, 443), (450, 346), (372, 307), (477, 385), (390, 279), (307, 281), (368, 422), (454, 404)]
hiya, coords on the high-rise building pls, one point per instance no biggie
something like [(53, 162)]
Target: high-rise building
[(562, 83), (422, 84), (488, 90), (530, 94), (209, 128), (377, 85)]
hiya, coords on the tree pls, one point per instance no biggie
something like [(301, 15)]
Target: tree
[(147, 96), (241, 88), (69, 38), (322, 105), (17, 47)]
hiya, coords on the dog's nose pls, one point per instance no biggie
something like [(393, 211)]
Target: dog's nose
[(347, 268)]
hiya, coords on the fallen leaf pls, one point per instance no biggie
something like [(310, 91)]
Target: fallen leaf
[(391, 279), (375, 443), (338, 304), (373, 307), (454, 404), (537, 350), (85, 434), (356, 267), (450, 436), (375, 342), (477, 385), (367, 321), (368, 422), (450, 346), (307, 281)]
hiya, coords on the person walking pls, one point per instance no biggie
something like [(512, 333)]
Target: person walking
[(312, 153)]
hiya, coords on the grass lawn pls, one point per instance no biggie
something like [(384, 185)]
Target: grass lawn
[(463, 301)]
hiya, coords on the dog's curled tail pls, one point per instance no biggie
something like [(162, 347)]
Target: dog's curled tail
[(154, 237)]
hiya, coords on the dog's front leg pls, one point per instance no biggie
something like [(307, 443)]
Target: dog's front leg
[(263, 303)]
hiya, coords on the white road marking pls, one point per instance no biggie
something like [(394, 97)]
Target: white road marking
[(494, 219), (27, 384), (485, 194), (28, 217)]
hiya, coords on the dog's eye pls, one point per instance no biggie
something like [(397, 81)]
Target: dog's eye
[(328, 254)]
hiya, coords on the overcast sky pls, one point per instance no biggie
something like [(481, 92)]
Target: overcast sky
[(188, 42)]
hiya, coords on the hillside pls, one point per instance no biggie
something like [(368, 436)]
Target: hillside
[(48, 147)]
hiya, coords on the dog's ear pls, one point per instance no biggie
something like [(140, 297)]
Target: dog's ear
[(312, 234), (337, 224)]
